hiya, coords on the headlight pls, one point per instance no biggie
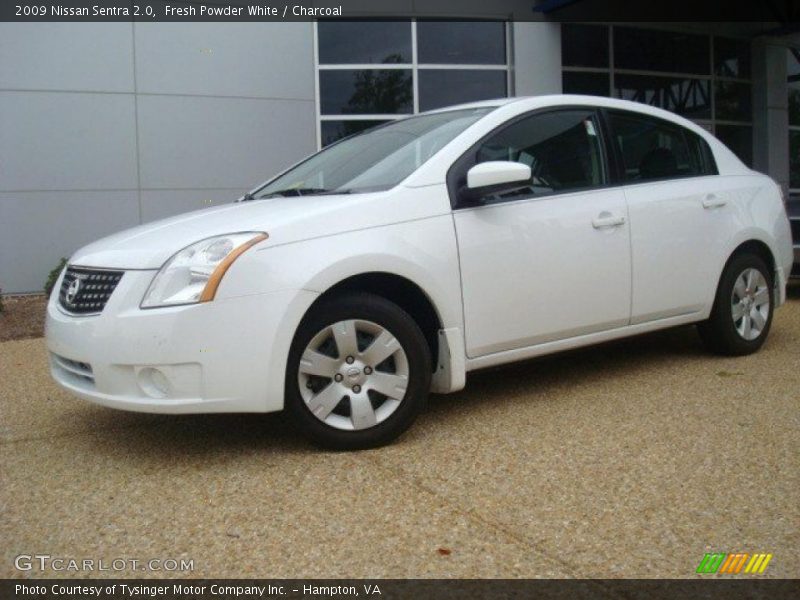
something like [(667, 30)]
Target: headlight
[(193, 274)]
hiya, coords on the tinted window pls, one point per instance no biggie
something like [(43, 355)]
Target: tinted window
[(461, 42), (334, 130), (562, 148), (584, 45), (593, 84), (655, 149), (652, 50), (731, 58), (364, 42), (344, 92), (444, 87), (688, 97)]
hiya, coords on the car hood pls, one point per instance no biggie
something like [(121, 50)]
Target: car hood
[(286, 220)]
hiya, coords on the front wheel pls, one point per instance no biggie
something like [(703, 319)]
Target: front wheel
[(359, 372), (742, 312)]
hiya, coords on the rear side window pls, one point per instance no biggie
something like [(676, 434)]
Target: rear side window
[(652, 149)]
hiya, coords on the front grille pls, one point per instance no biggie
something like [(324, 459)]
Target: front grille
[(79, 372), (86, 291)]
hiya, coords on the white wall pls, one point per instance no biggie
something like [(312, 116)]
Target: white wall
[(107, 125)]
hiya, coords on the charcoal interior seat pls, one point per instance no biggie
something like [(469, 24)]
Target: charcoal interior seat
[(658, 163)]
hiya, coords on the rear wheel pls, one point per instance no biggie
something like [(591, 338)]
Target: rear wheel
[(742, 312), (359, 372)]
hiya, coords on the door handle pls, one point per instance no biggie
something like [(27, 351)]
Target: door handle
[(713, 201), (606, 219)]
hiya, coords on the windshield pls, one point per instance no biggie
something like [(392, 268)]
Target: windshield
[(375, 160)]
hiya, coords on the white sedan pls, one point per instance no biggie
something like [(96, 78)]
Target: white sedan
[(391, 263)]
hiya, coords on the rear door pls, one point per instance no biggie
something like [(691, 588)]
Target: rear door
[(678, 210)]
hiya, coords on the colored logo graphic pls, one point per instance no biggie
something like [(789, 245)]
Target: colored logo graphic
[(734, 564)]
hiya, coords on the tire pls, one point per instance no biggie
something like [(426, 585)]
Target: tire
[(722, 333), (358, 403)]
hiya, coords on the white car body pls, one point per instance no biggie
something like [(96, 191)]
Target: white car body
[(507, 281)]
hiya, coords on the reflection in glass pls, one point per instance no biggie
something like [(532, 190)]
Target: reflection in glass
[(584, 45), (688, 97), (733, 101), (332, 131), (666, 51), (592, 84), (738, 138), (444, 87), (364, 42), (461, 42), (793, 77), (375, 91), (731, 58)]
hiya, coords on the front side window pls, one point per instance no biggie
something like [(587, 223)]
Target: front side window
[(654, 149), (562, 148), (375, 160)]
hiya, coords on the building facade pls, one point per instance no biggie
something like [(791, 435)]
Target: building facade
[(107, 126)]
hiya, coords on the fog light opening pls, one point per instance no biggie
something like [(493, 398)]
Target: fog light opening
[(154, 382)]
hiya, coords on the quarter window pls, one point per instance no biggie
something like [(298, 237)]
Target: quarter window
[(562, 148), (654, 149)]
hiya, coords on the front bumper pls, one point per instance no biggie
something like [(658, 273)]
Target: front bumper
[(228, 355)]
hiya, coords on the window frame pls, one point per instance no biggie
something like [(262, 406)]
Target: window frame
[(710, 123), (415, 66), (708, 163), (459, 167)]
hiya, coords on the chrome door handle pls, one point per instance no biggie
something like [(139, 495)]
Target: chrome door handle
[(606, 219), (713, 201)]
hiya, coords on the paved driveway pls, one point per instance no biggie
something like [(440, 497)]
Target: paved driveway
[(628, 460)]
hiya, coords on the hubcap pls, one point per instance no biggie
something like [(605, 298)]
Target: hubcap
[(750, 304), (353, 374)]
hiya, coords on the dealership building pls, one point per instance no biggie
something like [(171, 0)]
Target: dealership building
[(104, 126)]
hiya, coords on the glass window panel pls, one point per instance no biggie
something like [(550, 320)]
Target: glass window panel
[(346, 92), (461, 42), (445, 87), (688, 97), (654, 149), (377, 159), (794, 159), (653, 50), (562, 149), (739, 139), (733, 101), (593, 84), (348, 42), (584, 45), (332, 131), (731, 58), (793, 74)]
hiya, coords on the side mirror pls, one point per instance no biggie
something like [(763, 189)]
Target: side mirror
[(494, 176)]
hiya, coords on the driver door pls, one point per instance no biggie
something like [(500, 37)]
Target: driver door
[(551, 260)]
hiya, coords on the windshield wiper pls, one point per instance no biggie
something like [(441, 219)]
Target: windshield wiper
[(302, 192)]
